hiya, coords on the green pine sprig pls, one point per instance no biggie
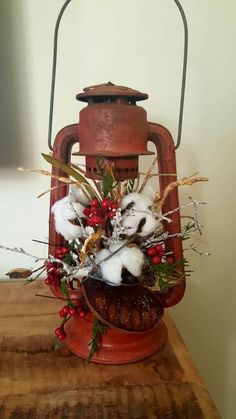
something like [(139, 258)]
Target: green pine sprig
[(108, 180), (98, 330), (165, 273)]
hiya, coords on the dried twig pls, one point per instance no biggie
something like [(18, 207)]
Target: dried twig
[(46, 173), (148, 175), (185, 181)]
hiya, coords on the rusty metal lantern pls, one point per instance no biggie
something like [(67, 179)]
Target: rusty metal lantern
[(114, 127)]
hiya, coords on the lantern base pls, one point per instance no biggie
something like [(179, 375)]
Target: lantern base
[(115, 346)]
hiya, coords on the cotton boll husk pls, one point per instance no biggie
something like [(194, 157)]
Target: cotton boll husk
[(141, 201), (66, 229), (78, 196), (132, 259)]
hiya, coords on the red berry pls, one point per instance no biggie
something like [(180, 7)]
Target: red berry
[(64, 250), (59, 331), (62, 336), (90, 222), (151, 251), (159, 249), (72, 311), (48, 281), (66, 309), (56, 271), (114, 205), (106, 203), (63, 312), (50, 266), (111, 214), (94, 202), (82, 313), (156, 260), (96, 219), (87, 211), (59, 255)]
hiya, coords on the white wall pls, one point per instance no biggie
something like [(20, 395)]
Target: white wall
[(138, 44)]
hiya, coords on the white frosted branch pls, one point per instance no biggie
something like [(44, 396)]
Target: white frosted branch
[(21, 251)]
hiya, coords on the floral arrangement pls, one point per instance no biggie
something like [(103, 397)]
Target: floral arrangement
[(113, 236)]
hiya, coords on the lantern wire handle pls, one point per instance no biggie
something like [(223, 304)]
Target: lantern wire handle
[(54, 66), (184, 72)]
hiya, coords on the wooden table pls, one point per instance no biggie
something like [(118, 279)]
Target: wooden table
[(37, 382)]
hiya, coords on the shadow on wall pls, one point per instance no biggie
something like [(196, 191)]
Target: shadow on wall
[(14, 102)]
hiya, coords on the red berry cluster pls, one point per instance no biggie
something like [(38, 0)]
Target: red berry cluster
[(156, 253), (98, 212), (69, 311), (61, 252), (53, 273), (54, 269), (60, 332)]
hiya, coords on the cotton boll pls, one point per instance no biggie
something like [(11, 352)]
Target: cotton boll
[(78, 209), (102, 254), (78, 196), (140, 200), (67, 210), (111, 270), (130, 224), (132, 259), (66, 229), (150, 226)]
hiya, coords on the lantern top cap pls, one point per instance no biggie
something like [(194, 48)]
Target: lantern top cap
[(109, 90)]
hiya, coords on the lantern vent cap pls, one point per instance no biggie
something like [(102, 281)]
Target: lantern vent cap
[(106, 91)]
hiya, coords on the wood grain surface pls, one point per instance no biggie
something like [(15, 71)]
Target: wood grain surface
[(38, 382)]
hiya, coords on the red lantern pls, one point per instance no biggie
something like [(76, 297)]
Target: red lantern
[(114, 127)]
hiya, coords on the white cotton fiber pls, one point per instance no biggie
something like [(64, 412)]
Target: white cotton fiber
[(111, 270), (102, 254), (78, 196), (66, 229), (65, 210), (132, 259), (140, 200)]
